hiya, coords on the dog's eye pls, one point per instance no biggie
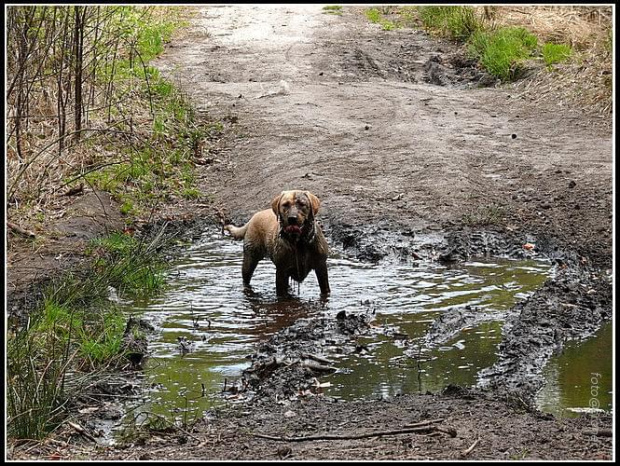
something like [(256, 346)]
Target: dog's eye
[(286, 204)]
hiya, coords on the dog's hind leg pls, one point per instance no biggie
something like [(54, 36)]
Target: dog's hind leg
[(250, 261)]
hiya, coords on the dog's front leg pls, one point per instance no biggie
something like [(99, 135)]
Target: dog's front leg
[(281, 283), (321, 275)]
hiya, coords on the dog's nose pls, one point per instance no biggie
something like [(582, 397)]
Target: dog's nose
[(292, 219)]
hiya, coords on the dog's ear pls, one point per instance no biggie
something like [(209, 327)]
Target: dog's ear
[(314, 202), (275, 204)]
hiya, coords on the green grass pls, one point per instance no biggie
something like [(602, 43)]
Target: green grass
[(126, 264), (455, 22), (75, 332), (332, 9), (502, 52), (555, 53), (191, 193), (375, 15), (484, 215), (35, 392), (150, 167)]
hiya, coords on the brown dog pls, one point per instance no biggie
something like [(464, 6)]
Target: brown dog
[(289, 235)]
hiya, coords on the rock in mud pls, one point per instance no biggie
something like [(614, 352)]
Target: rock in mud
[(135, 344), (289, 363)]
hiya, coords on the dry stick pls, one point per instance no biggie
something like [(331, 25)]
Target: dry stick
[(470, 449), (413, 430), (20, 230), (424, 423), (81, 431), (599, 432)]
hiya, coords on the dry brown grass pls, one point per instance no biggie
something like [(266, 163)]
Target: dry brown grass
[(581, 27), (585, 81)]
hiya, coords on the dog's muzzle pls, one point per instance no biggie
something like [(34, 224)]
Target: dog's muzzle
[(293, 230)]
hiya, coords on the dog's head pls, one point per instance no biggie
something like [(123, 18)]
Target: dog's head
[(295, 211)]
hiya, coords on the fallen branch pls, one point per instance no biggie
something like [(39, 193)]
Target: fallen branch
[(20, 230), (317, 358), (317, 367), (470, 449), (599, 432), (413, 430), (80, 430), (424, 423)]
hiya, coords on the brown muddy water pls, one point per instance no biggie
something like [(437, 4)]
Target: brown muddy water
[(207, 326)]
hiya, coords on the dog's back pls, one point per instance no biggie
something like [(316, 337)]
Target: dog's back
[(261, 228)]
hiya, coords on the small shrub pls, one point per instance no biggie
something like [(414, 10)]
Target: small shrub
[(373, 15), (388, 25), (127, 207)]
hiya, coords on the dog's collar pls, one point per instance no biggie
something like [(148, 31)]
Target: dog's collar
[(311, 233)]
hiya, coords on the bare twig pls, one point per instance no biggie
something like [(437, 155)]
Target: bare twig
[(413, 430), (20, 230), (80, 430), (470, 449)]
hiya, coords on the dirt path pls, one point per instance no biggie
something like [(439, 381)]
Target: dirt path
[(392, 131), (338, 106)]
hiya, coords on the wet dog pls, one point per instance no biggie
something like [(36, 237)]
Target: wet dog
[(290, 236)]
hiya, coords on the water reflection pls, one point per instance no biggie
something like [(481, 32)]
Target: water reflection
[(580, 379)]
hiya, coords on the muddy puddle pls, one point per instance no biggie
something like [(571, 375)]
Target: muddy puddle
[(208, 326), (580, 379)]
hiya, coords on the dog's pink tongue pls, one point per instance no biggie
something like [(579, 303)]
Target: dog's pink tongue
[(293, 229)]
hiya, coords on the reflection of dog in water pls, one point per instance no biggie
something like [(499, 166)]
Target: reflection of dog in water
[(289, 235)]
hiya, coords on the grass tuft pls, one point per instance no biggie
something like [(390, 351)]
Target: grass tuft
[(332, 9), (75, 332), (555, 53), (455, 22), (502, 52)]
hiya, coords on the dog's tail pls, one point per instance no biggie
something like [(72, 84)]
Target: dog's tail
[(237, 232)]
